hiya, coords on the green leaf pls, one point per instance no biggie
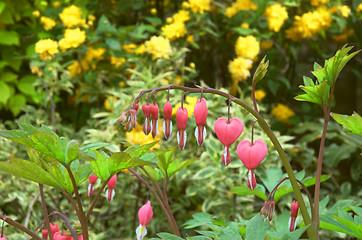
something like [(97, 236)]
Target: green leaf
[(48, 144), (8, 77), (94, 146), (4, 92), (72, 151), (9, 38), (169, 236), (229, 234), (164, 159), (177, 165), (256, 228), (105, 26), (355, 231), (272, 177), (295, 235), (244, 190), (16, 102), (25, 85), (28, 170), (100, 165), (113, 43), (353, 123), (122, 160)]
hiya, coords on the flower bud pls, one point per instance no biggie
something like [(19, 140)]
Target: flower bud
[(92, 181), (167, 122), (111, 185), (154, 120), (146, 108), (293, 216), (144, 216), (200, 112), (181, 122)]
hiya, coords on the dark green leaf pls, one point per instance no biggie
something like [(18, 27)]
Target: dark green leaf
[(256, 228), (244, 190)]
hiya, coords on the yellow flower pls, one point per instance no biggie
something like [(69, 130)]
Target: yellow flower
[(190, 38), (72, 38), (153, 11), (181, 16), (48, 23), (178, 80), (56, 4), (130, 48), (244, 25), (199, 6), (158, 47), (310, 23), (137, 136), (318, 2), (247, 47), (46, 48), (36, 70), (239, 69), (240, 5), (36, 13), (282, 112), (74, 69), (189, 104), (91, 17), (192, 65), (359, 8), (117, 62), (94, 53), (110, 102), (169, 20), (174, 30), (276, 15), (265, 45), (344, 10), (342, 38), (72, 16), (122, 84), (140, 50), (259, 95)]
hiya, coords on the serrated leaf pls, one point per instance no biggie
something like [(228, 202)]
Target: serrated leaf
[(256, 228), (48, 144), (94, 146), (100, 165), (177, 165), (352, 123)]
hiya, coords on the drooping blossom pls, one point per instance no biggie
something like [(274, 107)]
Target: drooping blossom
[(111, 185), (44, 232), (200, 113), (293, 216), (54, 228), (2, 238), (227, 133), (167, 119), (181, 122), (146, 108), (92, 181), (144, 216), (251, 156), (154, 120), (134, 114)]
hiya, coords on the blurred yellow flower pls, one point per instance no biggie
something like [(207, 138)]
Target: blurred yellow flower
[(169, 20), (75, 69), (137, 136), (359, 8), (189, 104), (259, 95), (174, 30), (310, 23), (344, 10), (247, 47), (110, 102), (36, 70), (244, 25), (130, 48), (282, 112), (140, 50), (265, 45), (153, 11), (240, 5), (199, 6), (192, 65), (342, 38), (72, 16), (72, 38), (190, 38), (36, 13), (91, 17), (94, 53), (239, 69), (181, 16), (56, 4), (178, 80), (48, 23), (276, 15), (318, 2), (46, 48), (122, 84), (117, 62), (158, 47)]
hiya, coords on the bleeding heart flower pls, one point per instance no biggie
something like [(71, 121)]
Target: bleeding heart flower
[(2, 238), (200, 112), (167, 119), (44, 232), (54, 228), (293, 216), (181, 122), (146, 108), (227, 133), (92, 181), (111, 185), (154, 120), (144, 216), (251, 156)]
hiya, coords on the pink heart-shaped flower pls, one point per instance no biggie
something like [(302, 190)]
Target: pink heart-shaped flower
[(252, 155), (226, 132)]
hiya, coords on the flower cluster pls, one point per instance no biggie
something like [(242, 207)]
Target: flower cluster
[(240, 5), (111, 186), (73, 38), (158, 47), (46, 48), (199, 6), (57, 235), (176, 28), (92, 54), (276, 15), (282, 112), (72, 16), (48, 23)]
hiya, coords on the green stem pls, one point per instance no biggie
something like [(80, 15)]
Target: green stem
[(313, 235), (45, 211)]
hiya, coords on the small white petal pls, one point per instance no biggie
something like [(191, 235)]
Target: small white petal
[(141, 232), (170, 128), (290, 222), (204, 135), (250, 179), (89, 189), (112, 196), (178, 137), (295, 224), (164, 128), (197, 135), (225, 155), (185, 137)]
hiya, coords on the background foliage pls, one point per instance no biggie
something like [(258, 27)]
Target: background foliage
[(84, 85)]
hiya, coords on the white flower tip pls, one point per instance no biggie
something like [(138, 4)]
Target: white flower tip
[(110, 195), (141, 232)]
